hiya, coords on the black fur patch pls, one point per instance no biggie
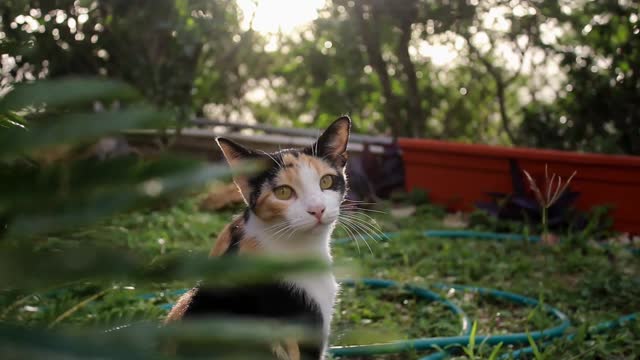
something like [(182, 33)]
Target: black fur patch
[(339, 184), (256, 182), (237, 234), (275, 301), (268, 175)]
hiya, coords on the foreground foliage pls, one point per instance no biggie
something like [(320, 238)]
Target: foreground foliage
[(57, 185)]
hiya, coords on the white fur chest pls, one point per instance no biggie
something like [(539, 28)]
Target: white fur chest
[(322, 289)]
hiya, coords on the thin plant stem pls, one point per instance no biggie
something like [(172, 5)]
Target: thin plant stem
[(78, 306), (545, 225)]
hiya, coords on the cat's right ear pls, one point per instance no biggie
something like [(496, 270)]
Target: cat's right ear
[(239, 158)]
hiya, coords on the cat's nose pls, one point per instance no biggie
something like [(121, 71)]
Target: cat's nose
[(316, 211)]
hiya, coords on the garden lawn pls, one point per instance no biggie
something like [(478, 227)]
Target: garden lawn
[(589, 284)]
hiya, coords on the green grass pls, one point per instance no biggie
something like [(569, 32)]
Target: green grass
[(589, 285)]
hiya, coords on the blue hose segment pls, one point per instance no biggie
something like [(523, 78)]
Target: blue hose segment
[(596, 329), (480, 235), (166, 293), (465, 322), (613, 324), (463, 340)]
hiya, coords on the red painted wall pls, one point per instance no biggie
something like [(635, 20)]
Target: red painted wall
[(459, 175)]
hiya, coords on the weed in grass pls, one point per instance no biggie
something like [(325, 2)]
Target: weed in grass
[(470, 349)]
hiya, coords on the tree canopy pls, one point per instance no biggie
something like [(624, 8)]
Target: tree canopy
[(553, 74)]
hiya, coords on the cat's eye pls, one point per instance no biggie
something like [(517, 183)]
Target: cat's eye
[(326, 182), (283, 192)]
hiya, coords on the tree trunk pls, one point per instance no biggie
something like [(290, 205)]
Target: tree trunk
[(500, 90), (370, 37), (503, 109), (415, 118)]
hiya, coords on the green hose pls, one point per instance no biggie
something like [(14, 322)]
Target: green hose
[(465, 323), (459, 234), (462, 340), (597, 329)]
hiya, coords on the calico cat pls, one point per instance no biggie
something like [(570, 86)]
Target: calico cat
[(292, 209)]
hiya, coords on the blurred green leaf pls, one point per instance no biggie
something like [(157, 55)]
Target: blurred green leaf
[(10, 119), (71, 128), (223, 338), (65, 92), (59, 197), (28, 269)]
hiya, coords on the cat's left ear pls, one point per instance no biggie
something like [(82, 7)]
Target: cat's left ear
[(333, 142)]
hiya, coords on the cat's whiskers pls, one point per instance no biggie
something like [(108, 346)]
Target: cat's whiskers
[(275, 229), (282, 230), (289, 230), (359, 202), (370, 227), (366, 232), (287, 225), (274, 160), (375, 231), (370, 223), (316, 144), (276, 225), (350, 232), (362, 230), (359, 231), (293, 231), (354, 208), (362, 224)]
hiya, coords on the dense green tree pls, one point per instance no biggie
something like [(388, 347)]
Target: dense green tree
[(179, 54), (367, 58), (599, 107), (522, 72)]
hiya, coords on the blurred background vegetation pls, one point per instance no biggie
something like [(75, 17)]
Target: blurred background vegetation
[(79, 223), (552, 74)]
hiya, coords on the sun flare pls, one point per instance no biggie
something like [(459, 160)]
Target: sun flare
[(272, 16)]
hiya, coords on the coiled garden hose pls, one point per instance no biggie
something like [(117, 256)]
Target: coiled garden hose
[(594, 330), (461, 340)]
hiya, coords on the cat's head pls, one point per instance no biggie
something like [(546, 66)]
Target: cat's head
[(302, 188)]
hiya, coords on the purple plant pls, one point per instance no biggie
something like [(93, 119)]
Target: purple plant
[(551, 194), (551, 206)]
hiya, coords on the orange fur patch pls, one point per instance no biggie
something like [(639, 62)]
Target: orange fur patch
[(289, 350), (293, 349), (178, 310), (223, 242), (221, 196), (289, 159), (249, 246), (268, 207), (321, 167)]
